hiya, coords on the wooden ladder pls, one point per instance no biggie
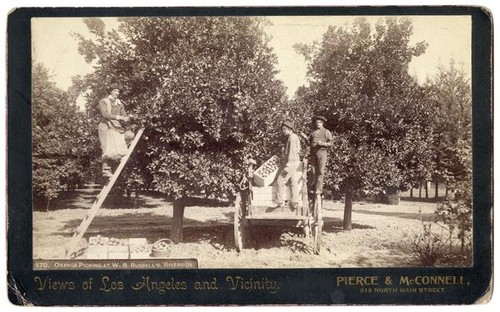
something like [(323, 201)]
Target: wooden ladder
[(82, 228)]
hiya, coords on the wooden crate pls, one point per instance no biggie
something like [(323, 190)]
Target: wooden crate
[(98, 248), (265, 196), (139, 248), (263, 193), (266, 173), (119, 251)]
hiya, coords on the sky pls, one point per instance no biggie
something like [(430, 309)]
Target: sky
[(448, 37)]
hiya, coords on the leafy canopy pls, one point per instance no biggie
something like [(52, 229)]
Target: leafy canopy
[(205, 89), (358, 78), (60, 147)]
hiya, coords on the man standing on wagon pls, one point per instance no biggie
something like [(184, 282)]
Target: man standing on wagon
[(320, 139), (290, 162)]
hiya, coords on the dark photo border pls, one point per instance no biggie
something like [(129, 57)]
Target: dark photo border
[(296, 286)]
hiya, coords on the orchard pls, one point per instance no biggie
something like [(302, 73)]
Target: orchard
[(207, 93)]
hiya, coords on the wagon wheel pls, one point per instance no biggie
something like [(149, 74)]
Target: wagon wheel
[(240, 231), (317, 227)]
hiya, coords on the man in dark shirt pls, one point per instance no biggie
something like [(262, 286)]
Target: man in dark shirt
[(320, 140), (112, 112)]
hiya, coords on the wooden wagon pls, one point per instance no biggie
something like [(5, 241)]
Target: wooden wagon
[(254, 205)]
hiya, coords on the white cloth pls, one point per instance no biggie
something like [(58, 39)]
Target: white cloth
[(115, 147)]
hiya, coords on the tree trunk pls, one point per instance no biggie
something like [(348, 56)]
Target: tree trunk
[(411, 192), (392, 196), (176, 229), (48, 204), (426, 189), (348, 211), (420, 190), (436, 189)]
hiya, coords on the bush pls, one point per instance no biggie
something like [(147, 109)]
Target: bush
[(429, 247), (456, 214), (453, 243)]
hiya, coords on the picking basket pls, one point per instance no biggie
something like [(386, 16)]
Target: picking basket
[(161, 248)]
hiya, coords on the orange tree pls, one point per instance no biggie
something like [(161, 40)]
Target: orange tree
[(205, 89), (379, 115), (60, 148)]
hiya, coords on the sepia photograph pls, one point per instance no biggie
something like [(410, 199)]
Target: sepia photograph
[(253, 141), (249, 156)]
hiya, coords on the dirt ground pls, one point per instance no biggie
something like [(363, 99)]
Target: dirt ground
[(380, 237)]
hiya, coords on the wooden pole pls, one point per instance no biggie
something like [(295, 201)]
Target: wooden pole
[(305, 196)]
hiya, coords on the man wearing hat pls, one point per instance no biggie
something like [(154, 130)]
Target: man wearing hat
[(290, 162), (320, 140), (112, 112)]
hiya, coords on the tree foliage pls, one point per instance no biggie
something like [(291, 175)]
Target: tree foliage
[(451, 97), (59, 138), (205, 89), (380, 115), (358, 78)]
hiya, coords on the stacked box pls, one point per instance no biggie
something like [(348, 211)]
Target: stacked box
[(98, 247), (266, 173), (118, 248), (139, 248), (264, 196), (263, 193)]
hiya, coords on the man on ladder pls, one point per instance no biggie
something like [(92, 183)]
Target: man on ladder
[(113, 139), (112, 135)]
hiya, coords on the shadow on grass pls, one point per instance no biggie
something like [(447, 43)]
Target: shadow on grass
[(154, 227), (423, 199), (85, 198), (416, 216), (336, 225), (121, 226), (218, 233)]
